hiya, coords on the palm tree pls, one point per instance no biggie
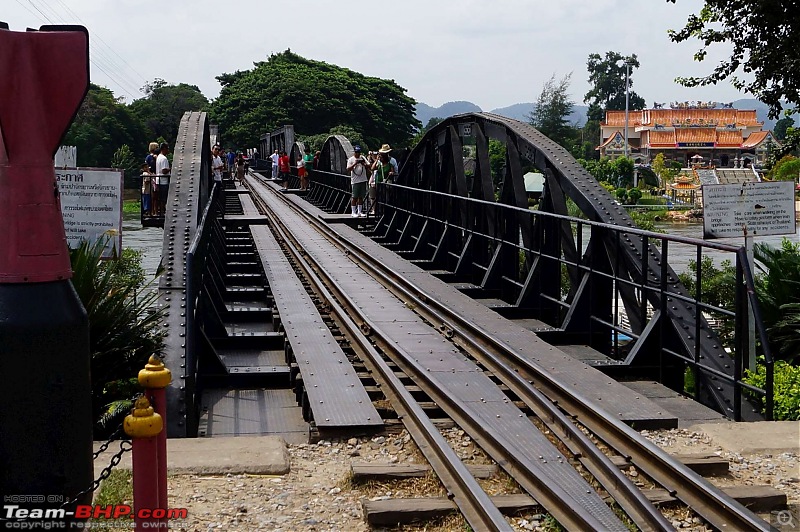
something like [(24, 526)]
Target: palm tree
[(123, 326)]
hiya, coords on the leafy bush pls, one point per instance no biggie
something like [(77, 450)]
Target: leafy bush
[(634, 195), (622, 194), (123, 326), (778, 290), (786, 386)]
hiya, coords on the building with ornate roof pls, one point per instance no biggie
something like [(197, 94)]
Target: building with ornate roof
[(724, 137)]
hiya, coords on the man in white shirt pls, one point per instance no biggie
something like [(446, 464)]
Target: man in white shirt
[(275, 158), (358, 166), (217, 165), (162, 177)]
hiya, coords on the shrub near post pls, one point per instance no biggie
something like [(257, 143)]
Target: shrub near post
[(155, 378), (143, 425)]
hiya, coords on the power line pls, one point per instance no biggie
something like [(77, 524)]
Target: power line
[(99, 57)]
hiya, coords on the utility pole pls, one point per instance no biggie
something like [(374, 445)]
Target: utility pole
[(627, 99)]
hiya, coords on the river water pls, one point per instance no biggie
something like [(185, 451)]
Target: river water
[(680, 255), (148, 240)]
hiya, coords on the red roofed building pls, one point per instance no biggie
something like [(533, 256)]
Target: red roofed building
[(724, 137)]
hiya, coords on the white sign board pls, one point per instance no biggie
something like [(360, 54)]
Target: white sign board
[(66, 157), (91, 204), (764, 208)]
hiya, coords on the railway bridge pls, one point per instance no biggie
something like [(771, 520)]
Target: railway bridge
[(453, 303)]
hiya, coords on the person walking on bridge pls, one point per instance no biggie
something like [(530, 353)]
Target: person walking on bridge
[(275, 157), (217, 166), (162, 177), (358, 167)]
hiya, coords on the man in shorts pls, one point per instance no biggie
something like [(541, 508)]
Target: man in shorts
[(358, 166)]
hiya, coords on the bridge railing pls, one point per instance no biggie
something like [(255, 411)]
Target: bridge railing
[(196, 268), (588, 293)]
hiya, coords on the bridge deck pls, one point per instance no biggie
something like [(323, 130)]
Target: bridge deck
[(464, 382), (336, 395), (597, 388)]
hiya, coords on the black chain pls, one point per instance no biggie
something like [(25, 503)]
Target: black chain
[(124, 447)]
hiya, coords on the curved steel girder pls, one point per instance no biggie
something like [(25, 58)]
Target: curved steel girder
[(427, 164), (188, 193), (335, 152)]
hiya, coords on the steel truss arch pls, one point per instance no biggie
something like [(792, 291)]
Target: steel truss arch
[(436, 163)]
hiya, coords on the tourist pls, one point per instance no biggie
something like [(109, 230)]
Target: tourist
[(231, 158), (308, 164), (358, 167), (316, 159), (162, 178), (275, 157), (147, 180), (240, 168), (150, 161), (384, 169), (283, 170), (217, 166)]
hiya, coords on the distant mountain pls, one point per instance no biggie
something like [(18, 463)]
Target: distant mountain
[(521, 111), (426, 112)]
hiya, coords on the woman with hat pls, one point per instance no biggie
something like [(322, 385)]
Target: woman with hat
[(384, 169)]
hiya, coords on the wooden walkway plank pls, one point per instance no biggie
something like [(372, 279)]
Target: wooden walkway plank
[(364, 471)]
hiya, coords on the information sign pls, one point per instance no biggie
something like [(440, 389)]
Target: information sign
[(91, 204), (762, 208)]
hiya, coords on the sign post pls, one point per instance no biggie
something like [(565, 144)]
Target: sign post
[(749, 209)]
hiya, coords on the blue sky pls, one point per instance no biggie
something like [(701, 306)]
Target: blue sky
[(491, 53)]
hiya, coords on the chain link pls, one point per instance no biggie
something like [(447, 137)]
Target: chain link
[(124, 447)]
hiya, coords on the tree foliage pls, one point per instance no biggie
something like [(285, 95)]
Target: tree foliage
[(553, 107), (123, 321), (102, 125), (787, 169), (607, 78), (763, 36), (315, 142), (313, 96), (781, 127), (163, 107)]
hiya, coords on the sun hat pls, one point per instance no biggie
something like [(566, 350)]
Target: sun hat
[(385, 149)]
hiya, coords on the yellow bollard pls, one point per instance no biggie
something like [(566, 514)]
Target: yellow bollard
[(154, 378)]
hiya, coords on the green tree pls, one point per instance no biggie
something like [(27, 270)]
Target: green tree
[(432, 122), (313, 96), (103, 124), (781, 127), (666, 173), (123, 158), (163, 107), (622, 171), (315, 142), (497, 160), (787, 169), (553, 107), (607, 78), (778, 292), (760, 40)]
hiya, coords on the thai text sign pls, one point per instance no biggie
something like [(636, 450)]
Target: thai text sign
[(765, 208), (91, 204)]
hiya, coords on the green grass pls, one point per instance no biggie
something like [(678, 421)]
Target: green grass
[(116, 489), (131, 206)]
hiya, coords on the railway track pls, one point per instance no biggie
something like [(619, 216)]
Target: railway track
[(554, 404)]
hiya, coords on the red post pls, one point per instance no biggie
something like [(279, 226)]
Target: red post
[(143, 425), (155, 378)]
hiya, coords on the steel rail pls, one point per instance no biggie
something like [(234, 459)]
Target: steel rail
[(719, 509), (526, 471), (473, 502)]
